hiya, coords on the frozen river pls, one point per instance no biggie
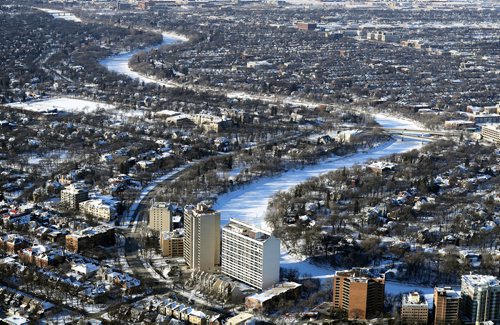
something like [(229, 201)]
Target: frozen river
[(249, 203), (119, 62)]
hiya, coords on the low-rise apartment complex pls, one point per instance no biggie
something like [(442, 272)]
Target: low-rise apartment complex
[(491, 132), (98, 209), (89, 238), (172, 243)]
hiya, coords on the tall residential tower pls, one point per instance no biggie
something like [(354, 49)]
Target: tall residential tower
[(250, 254), (358, 293), (480, 299), (446, 305), (160, 217), (202, 238)]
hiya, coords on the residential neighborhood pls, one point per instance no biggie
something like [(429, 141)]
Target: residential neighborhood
[(218, 162)]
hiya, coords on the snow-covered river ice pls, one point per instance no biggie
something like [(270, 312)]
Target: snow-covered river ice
[(249, 203), (119, 62)]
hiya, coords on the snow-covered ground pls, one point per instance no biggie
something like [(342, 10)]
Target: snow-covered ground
[(60, 14), (64, 104), (54, 156), (395, 288), (75, 105), (119, 62), (305, 268)]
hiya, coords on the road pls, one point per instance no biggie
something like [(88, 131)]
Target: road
[(137, 215), (137, 263)]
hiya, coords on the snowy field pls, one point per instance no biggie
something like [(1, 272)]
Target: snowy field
[(119, 63), (60, 14), (55, 156), (63, 104)]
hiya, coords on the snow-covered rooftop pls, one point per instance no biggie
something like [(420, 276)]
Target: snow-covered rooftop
[(273, 292), (476, 280)]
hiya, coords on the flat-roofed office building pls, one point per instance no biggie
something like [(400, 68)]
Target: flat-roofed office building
[(414, 309)]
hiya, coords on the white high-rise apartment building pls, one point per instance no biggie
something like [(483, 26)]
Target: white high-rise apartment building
[(202, 238), (480, 299), (250, 255), (160, 217)]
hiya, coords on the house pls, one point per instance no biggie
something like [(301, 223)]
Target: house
[(87, 270), (380, 167), (181, 312), (348, 136), (28, 255)]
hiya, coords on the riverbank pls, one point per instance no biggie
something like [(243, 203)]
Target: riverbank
[(60, 14), (249, 203), (119, 63)]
